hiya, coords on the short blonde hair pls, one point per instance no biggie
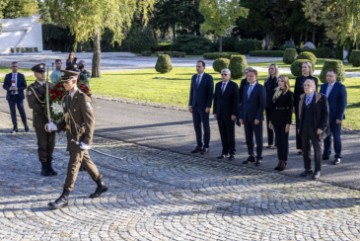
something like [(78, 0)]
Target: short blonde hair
[(310, 66)]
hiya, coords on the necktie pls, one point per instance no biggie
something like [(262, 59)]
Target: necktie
[(308, 100), (328, 90), (223, 87), (250, 90), (198, 81)]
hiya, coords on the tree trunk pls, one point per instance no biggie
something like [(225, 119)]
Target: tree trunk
[(313, 36), (267, 41), (96, 55), (220, 44), (174, 31)]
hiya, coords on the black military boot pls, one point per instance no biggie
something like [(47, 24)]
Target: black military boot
[(51, 171), (101, 188), (44, 169), (61, 202)]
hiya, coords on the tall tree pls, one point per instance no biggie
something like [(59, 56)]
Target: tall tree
[(87, 20), (20, 8), (220, 16)]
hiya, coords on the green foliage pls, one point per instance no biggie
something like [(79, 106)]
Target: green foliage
[(228, 44), (163, 46), (220, 63), (333, 64), (244, 46), (267, 53), (237, 66), (172, 53), (309, 56), (56, 38), (140, 39), (354, 58), (324, 53), (163, 64), (216, 55), (289, 56), (296, 66), (192, 44), (20, 8)]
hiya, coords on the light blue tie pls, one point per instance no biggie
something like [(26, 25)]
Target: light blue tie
[(198, 81), (308, 100), (328, 90), (223, 88), (250, 89)]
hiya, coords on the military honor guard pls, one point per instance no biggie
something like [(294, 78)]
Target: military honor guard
[(38, 100), (79, 123)]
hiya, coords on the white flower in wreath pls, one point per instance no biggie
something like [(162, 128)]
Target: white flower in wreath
[(57, 108)]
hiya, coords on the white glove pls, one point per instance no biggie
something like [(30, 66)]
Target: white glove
[(51, 126), (83, 146)]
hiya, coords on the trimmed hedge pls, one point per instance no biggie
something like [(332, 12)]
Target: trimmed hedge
[(192, 44), (237, 66), (289, 56), (216, 55), (172, 53), (244, 46), (163, 64), (163, 46), (220, 63), (324, 53), (267, 53), (333, 64), (308, 55), (296, 66), (354, 58)]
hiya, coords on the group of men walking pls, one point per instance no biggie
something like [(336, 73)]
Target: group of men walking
[(318, 115)]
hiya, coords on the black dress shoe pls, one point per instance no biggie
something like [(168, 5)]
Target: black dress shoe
[(204, 150), (231, 157), (258, 161), (300, 152), (316, 175), (197, 149), (306, 173), (14, 131), (337, 161), (325, 158), (26, 129), (222, 156), (249, 159)]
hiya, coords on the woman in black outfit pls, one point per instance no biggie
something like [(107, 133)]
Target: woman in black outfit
[(307, 71), (71, 61), (282, 106), (270, 85)]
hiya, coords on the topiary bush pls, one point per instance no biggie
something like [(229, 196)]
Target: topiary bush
[(192, 44), (163, 64), (354, 58), (309, 56), (244, 46), (267, 53), (220, 63), (289, 56), (216, 55), (237, 66), (295, 67), (333, 64)]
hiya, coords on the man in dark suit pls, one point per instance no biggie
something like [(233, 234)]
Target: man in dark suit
[(313, 122), (337, 99), (201, 97), (225, 111), (251, 116), (15, 84)]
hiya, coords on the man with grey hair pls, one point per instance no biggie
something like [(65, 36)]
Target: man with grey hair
[(225, 111), (313, 123)]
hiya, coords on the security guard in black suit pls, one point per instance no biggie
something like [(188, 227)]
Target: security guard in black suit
[(36, 97)]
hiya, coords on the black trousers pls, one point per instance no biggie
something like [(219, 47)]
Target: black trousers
[(14, 101), (281, 142), (250, 130), (227, 134), (270, 132), (309, 135), (199, 116), (298, 137)]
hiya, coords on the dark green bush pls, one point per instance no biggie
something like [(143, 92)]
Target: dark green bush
[(244, 46), (172, 53), (220, 63), (354, 58), (333, 64), (228, 44), (216, 55), (307, 55), (163, 64), (237, 66), (163, 46), (146, 53), (290, 55), (296, 67), (267, 53), (140, 39), (192, 44), (325, 52)]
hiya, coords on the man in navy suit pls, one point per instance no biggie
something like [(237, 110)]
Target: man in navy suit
[(251, 116), (201, 97), (15, 84), (226, 102), (337, 99)]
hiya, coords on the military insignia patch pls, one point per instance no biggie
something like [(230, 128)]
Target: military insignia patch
[(62, 74), (29, 92), (41, 66), (88, 106)]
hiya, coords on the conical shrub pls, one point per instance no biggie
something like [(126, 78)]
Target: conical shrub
[(163, 64)]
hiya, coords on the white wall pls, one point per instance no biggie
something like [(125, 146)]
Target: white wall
[(21, 32)]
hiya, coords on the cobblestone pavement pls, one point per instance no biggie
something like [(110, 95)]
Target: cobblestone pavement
[(161, 195)]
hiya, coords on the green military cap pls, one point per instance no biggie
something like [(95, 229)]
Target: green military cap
[(67, 75), (40, 68)]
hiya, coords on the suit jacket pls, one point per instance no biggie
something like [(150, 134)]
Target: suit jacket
[(226, 104), (253, 106), (78, 121), (270, 85), (201, 96), (36, 97), (281, 109), (320, 112), (337, 100), (299, 88), (21, 85)]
